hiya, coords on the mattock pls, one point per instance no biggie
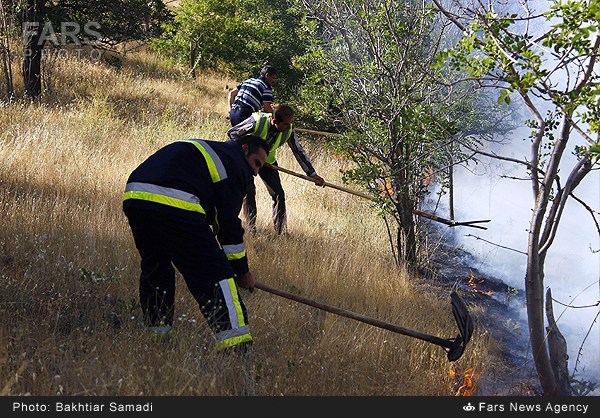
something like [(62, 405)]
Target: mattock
[(454, 347), (448, 222)]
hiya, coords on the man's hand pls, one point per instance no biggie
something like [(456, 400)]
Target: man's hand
[(318, 180), (246, 281)]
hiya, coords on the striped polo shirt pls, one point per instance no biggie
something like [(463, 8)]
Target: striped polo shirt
[(253, 92)]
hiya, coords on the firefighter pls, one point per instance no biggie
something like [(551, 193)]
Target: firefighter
[(276, 129), (182, 204)]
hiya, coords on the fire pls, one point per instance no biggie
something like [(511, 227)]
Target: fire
[(473, 283), (386, 187), (467, 385), (428, 178)]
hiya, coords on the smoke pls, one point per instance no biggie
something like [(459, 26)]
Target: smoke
[(490, 190)]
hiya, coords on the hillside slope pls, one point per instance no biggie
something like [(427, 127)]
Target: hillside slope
[(69, 318)]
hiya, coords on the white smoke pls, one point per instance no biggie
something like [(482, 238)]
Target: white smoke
[(572, 267), (490, 191)]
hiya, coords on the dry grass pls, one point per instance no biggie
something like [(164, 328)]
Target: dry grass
[(69, 319)]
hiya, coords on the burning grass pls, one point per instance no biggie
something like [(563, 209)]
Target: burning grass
[(69, 318)]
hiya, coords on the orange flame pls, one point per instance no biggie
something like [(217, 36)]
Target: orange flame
[(468, 385), (386, 187), (473, 285), (428, 178)]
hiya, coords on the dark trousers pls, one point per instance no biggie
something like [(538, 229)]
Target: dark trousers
[(239, 113), (187, 243), (272, 180)]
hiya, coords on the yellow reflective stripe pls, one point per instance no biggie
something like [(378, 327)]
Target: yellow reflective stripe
[(235, 251), (236, 256), (278, 141), (288, 133), (232, 300), (230, 342), (215, 173), (273, 152), (165, 200), (282, 137), (236, 302), (239, 331), (261, 126)]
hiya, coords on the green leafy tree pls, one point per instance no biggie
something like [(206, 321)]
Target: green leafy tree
[(549, 60), (237, 37), (372, 74)]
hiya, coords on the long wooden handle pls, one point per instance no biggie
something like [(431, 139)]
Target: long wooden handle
[(305, 177), (310, 131), (448, 222), (353, 315)]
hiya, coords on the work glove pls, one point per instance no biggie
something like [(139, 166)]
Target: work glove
[(246, 281)]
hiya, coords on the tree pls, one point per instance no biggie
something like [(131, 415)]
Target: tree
[(553, 68), (103, 23), (6, 33), (236, 37), (33, 13), (371, 73)]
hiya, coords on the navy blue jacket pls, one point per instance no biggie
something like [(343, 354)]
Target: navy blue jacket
[(197, 178)]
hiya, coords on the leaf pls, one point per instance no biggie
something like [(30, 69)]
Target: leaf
[(504, 97), (595, 149)]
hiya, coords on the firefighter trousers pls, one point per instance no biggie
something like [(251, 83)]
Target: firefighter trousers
[(186, 242), (272, 181)]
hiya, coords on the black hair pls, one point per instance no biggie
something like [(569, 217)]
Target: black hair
[(254, 143), (268, 69), (282, 112)]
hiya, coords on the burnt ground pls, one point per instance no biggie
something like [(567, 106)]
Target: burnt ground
[(496, 309)]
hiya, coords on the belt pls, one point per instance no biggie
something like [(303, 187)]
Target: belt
[(240, 106)]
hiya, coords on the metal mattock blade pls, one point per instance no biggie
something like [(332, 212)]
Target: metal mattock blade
[(465, 327)]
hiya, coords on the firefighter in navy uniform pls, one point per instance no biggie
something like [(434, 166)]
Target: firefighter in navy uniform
[(182, 204), (276, 129)]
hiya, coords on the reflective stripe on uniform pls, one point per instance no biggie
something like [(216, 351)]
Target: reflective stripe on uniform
[(235, 252), (239, 331), (214, 163), (163, 195), (232, 301), (230, 337), (261, 127), (282, 138)]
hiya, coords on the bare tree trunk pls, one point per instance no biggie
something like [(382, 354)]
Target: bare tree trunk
[(539, 241), (406, 237), (534, 291), (33, 23), (558, 349), (6, 55), (193, 53), (451, 188)]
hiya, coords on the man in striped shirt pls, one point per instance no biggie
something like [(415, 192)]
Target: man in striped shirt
[(252, 95)]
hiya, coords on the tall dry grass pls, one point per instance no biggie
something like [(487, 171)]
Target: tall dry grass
[(69, 316)]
